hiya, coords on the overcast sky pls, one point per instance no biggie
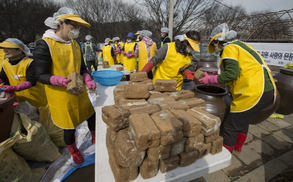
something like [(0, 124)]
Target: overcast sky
[(258, 5)]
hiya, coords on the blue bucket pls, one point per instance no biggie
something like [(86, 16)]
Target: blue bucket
[(107, 77)]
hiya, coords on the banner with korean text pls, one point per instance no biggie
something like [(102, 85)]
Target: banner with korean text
[(277, 54)]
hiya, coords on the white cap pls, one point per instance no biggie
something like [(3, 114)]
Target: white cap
[(145, 33), (88, 37), (165, 30), (115, 38)]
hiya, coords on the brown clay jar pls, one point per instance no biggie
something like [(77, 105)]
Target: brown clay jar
[(6, 115), (285, 88), (217, 100)]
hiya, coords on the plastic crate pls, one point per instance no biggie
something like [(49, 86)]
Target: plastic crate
[(107, 77)]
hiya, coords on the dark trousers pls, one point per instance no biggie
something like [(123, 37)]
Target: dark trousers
[(89, 64), (69, 137), (239, 122)]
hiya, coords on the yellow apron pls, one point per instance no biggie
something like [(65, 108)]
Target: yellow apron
[(248, 88), (2, 58), (67, 110), (143, 55), (169, 68), (16, 75), (129, 63), (107, 54), (119, 56)]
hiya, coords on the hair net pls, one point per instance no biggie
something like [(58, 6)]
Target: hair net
[(226, 35), (52, 22), (88, 37), (107, 40), (116, 38), (145, 33), (180, 37), (20, 44), (165, 30)]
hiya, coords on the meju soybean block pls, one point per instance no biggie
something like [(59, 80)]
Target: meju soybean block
[(159, 94), (182, 94), (121, 174), (163, 85), (115, 117), (169, 126), (168, 105), (157, 100), (159, 152), (144, 131), (194, 143), (126, 152), (138, 76), (194, 102), (177, 147), (216, 145), (138, 91), (187, 158), (127, 104), (148, 108), (149, 168), (210, 123), (169, 164), (75, 86), (204, 150), (147, 82), (191, 125), (199, 74), (121, 68), (209, 139)]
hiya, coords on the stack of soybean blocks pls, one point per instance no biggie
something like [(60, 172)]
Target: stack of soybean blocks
[(153, 127)]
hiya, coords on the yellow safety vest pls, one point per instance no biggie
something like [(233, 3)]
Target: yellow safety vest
[(248, 88), (67, 110), (143, 55), (16, 75), (119, 56), (129, 63), (107, 56), (2, 57), (169, 67)]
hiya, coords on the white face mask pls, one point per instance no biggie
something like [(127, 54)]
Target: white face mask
[(189, 50), (128, 40), (74, 33), (217, 49)]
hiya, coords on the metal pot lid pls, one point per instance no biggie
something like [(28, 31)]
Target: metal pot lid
[(209, 69), (286, 71)]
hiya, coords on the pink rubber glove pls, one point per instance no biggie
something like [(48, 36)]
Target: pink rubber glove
[(209, 79), (130, 55), (59, 80), (123, 53), (88, 81), (23, 86), (147, 68), (8, 88)]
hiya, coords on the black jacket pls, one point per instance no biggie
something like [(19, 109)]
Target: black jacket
[(43, 62)]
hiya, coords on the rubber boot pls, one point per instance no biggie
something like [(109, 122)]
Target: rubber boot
[(93, 136), (230, 148), (77, 158), (240, 141)]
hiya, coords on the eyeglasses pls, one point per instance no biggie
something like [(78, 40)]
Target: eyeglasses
[(75, 25)]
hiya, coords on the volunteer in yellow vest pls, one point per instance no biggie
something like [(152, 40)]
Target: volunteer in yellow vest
[(18, 73), (89, 53), (108, 52), (251, 84), (56, 56), (2, 57), (173, 59), (118, 48), (164, 36), (138, 36), (129, 61), (145, 50)]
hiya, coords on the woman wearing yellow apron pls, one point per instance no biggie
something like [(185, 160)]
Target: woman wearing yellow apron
[(56, 56), (18, 72), (118, 48), (251, 84), (173, 59), (129, 61), (108, 52), (145, 50)]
